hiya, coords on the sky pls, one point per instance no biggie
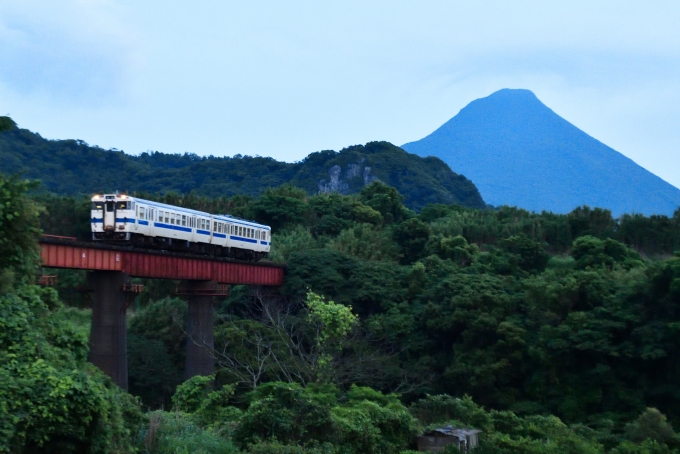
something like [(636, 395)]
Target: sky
[(285, 79)]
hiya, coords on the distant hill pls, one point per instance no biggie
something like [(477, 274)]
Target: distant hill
[(73, 167), (519, 152)]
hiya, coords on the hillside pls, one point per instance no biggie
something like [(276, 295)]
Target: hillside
[(72, 167), (519, 152)]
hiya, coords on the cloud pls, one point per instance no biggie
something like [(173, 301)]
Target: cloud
[(72, 51)]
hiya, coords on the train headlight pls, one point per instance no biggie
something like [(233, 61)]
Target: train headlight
[(123, 196), (96, 196)]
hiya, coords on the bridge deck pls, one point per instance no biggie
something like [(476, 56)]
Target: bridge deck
[(64, 253)]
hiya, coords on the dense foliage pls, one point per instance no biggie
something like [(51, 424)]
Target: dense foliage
[(51, 400), (549, 333), (73, 167)]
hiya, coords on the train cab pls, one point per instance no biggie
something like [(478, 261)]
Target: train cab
[(112, 217)]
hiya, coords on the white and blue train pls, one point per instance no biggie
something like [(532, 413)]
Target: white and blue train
[(131, 220)]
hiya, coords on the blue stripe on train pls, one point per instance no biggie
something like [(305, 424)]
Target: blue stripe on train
[(172, 227), (203, 232), (143, 222), (239, 238), (219, 235)]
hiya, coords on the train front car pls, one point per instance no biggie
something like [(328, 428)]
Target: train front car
[(112, 217)]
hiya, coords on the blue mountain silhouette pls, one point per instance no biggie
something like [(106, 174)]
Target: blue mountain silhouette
[(519, 152)]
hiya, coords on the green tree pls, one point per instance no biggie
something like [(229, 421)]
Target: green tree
[(282, 206), (19, 232), (652, 425), (385, 200), (412, 236), (589, 251), (6, 124)]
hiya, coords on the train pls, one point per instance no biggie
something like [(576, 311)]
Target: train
[(122, 219)]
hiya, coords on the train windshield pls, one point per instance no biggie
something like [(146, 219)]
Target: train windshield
[(97, 205), (122, 205)]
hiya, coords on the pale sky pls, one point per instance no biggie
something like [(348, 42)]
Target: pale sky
[(285, 79)]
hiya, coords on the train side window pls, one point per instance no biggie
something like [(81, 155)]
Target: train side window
[(140, 213), (184, 220), (167, 217)]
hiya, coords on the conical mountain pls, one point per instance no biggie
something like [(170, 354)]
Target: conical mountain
[(519, 152)]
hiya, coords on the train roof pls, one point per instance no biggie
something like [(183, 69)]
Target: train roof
[(169, 207), (235, 220)]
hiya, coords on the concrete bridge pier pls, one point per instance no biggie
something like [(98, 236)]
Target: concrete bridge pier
[(200, 326), (108, 335)]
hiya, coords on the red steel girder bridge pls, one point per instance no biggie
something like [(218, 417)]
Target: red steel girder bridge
[(110, 269)]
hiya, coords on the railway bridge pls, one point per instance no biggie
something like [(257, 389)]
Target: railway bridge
[(110, 271)]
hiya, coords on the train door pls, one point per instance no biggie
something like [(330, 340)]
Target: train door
[(109, 215), (139, 210)]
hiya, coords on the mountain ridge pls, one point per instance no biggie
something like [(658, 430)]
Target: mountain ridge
[(72, 167), (519, 152)]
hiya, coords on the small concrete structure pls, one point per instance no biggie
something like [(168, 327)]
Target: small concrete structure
[(438, 439)]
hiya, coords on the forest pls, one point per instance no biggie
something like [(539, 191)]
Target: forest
[(549, 333), (75, 167)]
